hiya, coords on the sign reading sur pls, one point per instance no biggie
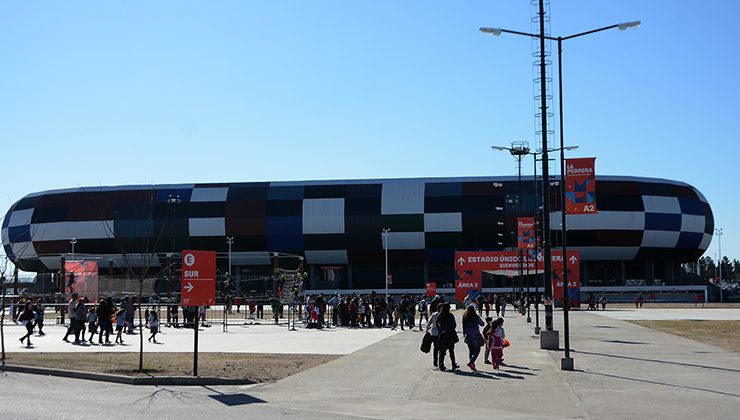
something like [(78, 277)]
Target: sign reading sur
[(198, 285)]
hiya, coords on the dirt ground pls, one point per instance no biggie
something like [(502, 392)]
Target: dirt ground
[(249, 366), (719, 333)]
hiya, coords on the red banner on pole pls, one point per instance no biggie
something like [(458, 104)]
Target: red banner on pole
[(198, 287), (431, 289), (580, 186), (525, 232)]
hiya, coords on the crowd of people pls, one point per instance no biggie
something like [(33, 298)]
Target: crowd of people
[(442, 333)]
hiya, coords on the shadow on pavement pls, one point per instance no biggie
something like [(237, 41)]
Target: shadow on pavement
[(657, 361), (623, 342), (234, 399), (661, 383), (478, 374)]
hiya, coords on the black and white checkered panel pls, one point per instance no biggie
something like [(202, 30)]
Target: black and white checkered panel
[(641, 219), (340, 222)]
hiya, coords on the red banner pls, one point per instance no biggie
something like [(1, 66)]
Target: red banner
[(525, 232), (431, 289), (198, 286), (580, 186), (467, 285), (469, 265), (82, 278)]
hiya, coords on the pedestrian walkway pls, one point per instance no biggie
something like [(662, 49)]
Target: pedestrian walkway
[(623, 371), (239, 339), (699, 314)]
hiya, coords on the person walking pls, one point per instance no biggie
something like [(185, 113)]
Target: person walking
[(72, 316), (471, 331), (38, 310), (496, 343), (25, 318), (104, 320), (153, 322), (433, 331), (92, 323), (120, 323), (486, 330), (81, 320), (423, 311), (447, 336)]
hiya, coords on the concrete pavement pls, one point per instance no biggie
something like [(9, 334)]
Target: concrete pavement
[(701, 314), (622, 371)]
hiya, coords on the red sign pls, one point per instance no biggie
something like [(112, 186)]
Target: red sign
[(431, 289), (466, 285), (82, 278), (580, 186), (198, 287), (525, 232), (469, 265)]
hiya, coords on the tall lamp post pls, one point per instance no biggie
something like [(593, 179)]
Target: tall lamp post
[(72, 242), (385, 246), (718, 232), (567, 361), (518, 149)]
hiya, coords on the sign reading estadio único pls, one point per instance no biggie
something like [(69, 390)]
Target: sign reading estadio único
[(470, 265), (198, 285)]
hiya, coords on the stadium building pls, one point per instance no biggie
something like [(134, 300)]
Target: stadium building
[(644, 230)]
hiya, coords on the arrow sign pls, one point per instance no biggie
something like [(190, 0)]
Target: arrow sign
[(461, 260), (573, 259), (189, 287)]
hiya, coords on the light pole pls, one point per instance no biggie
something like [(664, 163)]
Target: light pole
[(72, 242), (567, 361), (385, 246), (229, 242), (718, 232), (518, 149)]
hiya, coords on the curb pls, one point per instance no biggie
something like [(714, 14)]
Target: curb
[(128, 380)]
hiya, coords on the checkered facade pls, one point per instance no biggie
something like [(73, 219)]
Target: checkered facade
[(340, 222)]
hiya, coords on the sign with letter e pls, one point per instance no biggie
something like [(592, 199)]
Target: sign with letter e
[(198, 285)]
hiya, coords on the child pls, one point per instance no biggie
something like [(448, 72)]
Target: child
[(495, 341), (487, 329), (92, 323), (153, 325), (120, 323), (39, 312)]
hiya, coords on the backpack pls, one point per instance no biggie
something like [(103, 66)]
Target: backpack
[(423, 306)]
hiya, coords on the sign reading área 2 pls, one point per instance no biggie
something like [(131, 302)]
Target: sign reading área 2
[(198, 284)]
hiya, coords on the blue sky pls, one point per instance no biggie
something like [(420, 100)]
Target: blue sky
[(108, 93)]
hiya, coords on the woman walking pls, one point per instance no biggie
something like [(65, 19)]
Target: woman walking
[(434, 333), (26, 318), (471, 331), (447, 336)]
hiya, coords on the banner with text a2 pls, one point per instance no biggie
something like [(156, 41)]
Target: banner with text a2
[(580, 186)]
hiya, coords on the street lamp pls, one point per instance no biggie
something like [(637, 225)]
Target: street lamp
[(385, 246), (72, 242), (718, 232), (229, 242), (567, 361), (518, 149)]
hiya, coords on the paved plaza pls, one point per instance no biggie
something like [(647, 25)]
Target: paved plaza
[(655, 314), (622, 371)]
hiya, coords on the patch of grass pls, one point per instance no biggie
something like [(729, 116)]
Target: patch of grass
[(719, 333), (254, 367)]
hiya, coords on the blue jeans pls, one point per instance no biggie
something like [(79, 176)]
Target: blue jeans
[(474, 343)]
